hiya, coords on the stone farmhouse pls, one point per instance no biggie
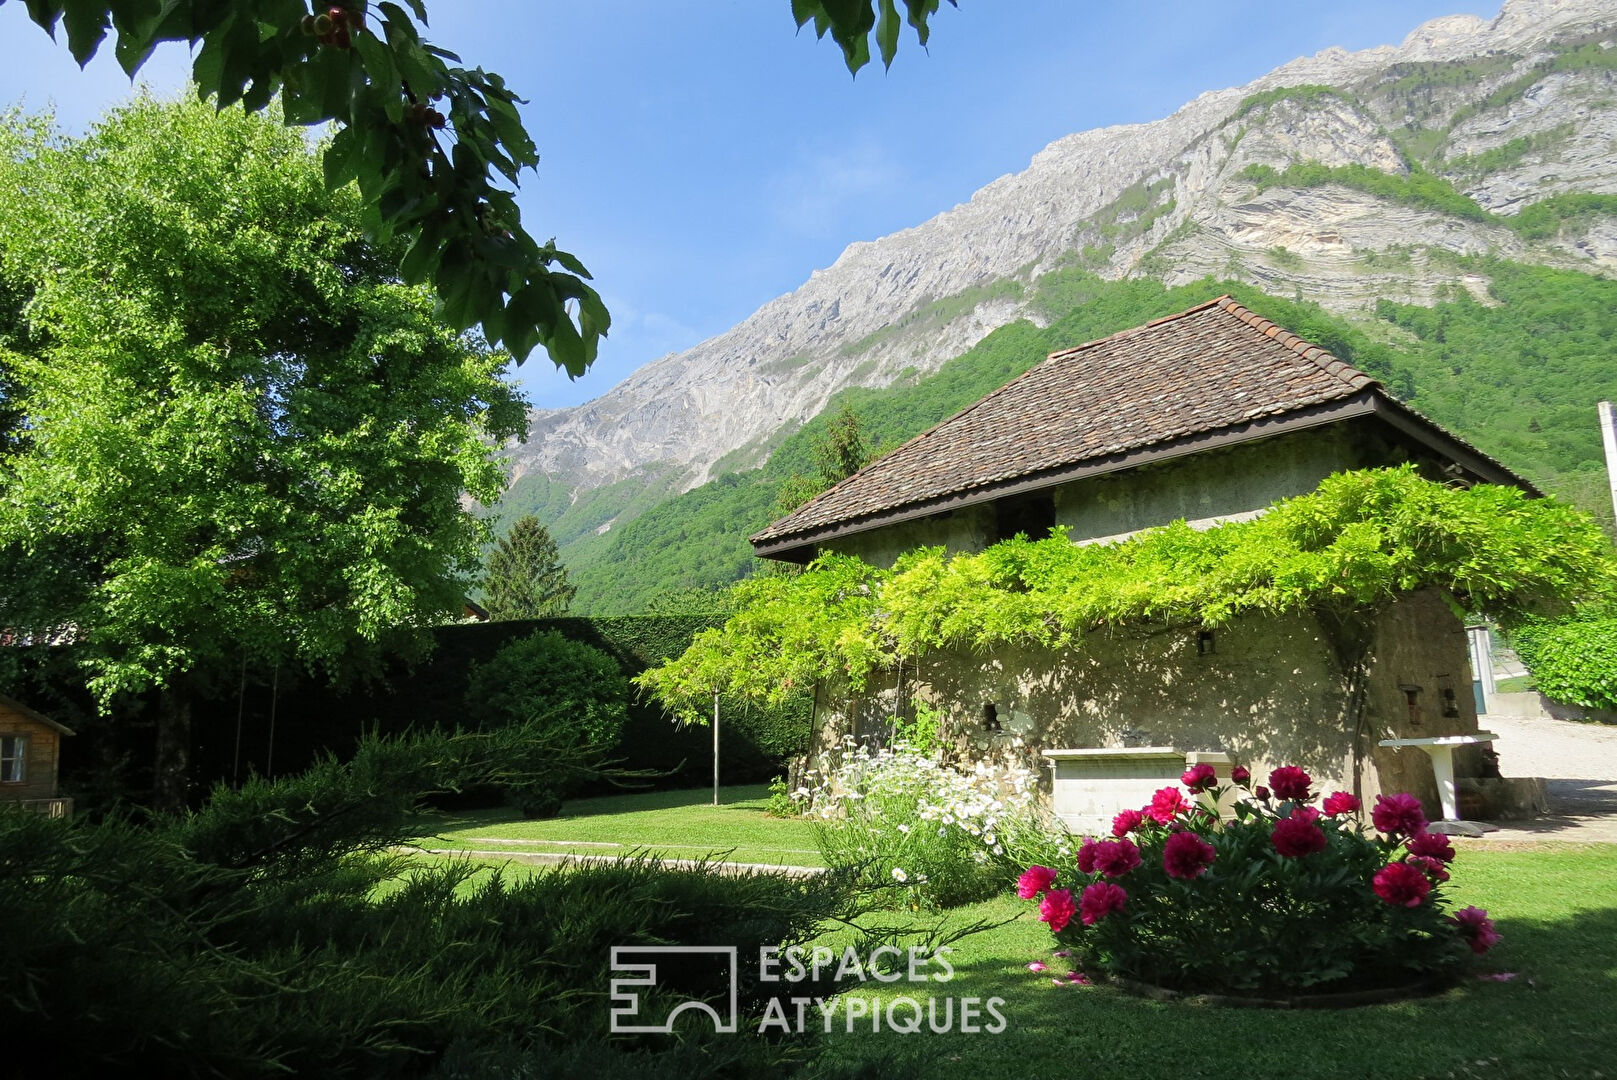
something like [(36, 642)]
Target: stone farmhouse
[(1210, 416)]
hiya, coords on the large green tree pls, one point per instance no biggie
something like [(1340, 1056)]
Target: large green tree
[(435, 147), (243, 438), (525, 578)]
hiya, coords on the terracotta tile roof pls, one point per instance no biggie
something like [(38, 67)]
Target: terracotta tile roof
[(1216, 366)]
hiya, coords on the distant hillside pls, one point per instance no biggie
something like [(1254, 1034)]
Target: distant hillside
[(1513, 374)]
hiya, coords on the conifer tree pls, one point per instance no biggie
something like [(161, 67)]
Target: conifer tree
[(526, 579)]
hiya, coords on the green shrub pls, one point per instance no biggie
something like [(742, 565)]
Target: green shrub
[(566, 686), (1573, 661), (267, 935)]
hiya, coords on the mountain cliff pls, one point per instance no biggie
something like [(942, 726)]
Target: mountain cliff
[(1342, 178)]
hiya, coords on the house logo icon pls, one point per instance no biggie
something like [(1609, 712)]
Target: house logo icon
[(640, 963)]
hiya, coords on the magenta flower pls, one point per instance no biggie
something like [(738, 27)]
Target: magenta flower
[(1401, 885), (1341, 803), (1186, 856), (1297, 836), (1241, 775), (1086, 855), (1126, 822), (1432, 868), (1199, 777), (1400, 815), (1290, 782), (1057, 909), (1100, 900), (1475, 926), (1114, 858), (1034, 880), (1166, 805), (1432, 845), (1037, 966), (1261, 792)]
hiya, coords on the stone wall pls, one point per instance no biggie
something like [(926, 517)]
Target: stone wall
[(1267, 690)]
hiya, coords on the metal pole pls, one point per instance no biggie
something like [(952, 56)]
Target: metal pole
[(1608, 435), (715, 748)]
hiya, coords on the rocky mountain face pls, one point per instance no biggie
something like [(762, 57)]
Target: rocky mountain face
[(1401, 160)]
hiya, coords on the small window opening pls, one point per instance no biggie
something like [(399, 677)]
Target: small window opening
[(13, 759), (991, 717), (1031, 515), (1412, 700), (1205, 645), (1451, 705)]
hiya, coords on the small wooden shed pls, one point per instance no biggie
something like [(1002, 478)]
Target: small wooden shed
[(30, 754)]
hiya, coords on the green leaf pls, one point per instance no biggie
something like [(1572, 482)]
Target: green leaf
[(340, 162), (86, 22), (887, 32)]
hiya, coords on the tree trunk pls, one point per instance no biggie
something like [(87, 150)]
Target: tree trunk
[(171, 772), (1352, 634)]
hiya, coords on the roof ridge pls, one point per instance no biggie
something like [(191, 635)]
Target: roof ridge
[(1327, 361), (1158, 321)]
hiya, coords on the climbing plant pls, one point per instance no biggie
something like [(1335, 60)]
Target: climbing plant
[(1342, 551)]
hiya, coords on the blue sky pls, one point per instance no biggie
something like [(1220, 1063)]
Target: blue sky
[(702, 160)]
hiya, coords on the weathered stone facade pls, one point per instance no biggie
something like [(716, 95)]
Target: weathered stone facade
[(1267, 690)]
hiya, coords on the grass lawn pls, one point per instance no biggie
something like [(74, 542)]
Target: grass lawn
[(1556, 907), (1516, 685), (673, 824)]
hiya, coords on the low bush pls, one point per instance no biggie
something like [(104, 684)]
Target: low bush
[(271, 933), (1573, 661), (1286, 897), (923, 833)]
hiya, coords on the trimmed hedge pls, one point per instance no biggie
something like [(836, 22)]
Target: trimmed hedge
[(1573, 661), (286, 720)]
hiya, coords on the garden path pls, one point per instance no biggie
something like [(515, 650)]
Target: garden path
[(1579, 764)]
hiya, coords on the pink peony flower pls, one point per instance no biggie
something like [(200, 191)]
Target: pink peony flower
[(1432, 868), (1186, 856), (1199, 777), (1166, 804), (1078, 978), (1057, 909), (1114, 858), (1341, 803), (1100, 900), (1034, 880), (1475, 926), (1241, 775), (1290, 782), (1037, 966), (1432, 845), (1261, 792), (1063, 953), (1305, 813), (1297, 836), (1401, 885), (1127, 822), (1399, 815), (1086, 855)]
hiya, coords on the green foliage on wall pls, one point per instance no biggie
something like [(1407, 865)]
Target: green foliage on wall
[(1573, 661), (1355, 544)]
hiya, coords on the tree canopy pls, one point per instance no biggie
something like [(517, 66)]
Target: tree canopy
[(242, 436), (1356, 543)]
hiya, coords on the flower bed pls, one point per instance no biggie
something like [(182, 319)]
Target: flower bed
[(930, 834), (1288, 898)]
